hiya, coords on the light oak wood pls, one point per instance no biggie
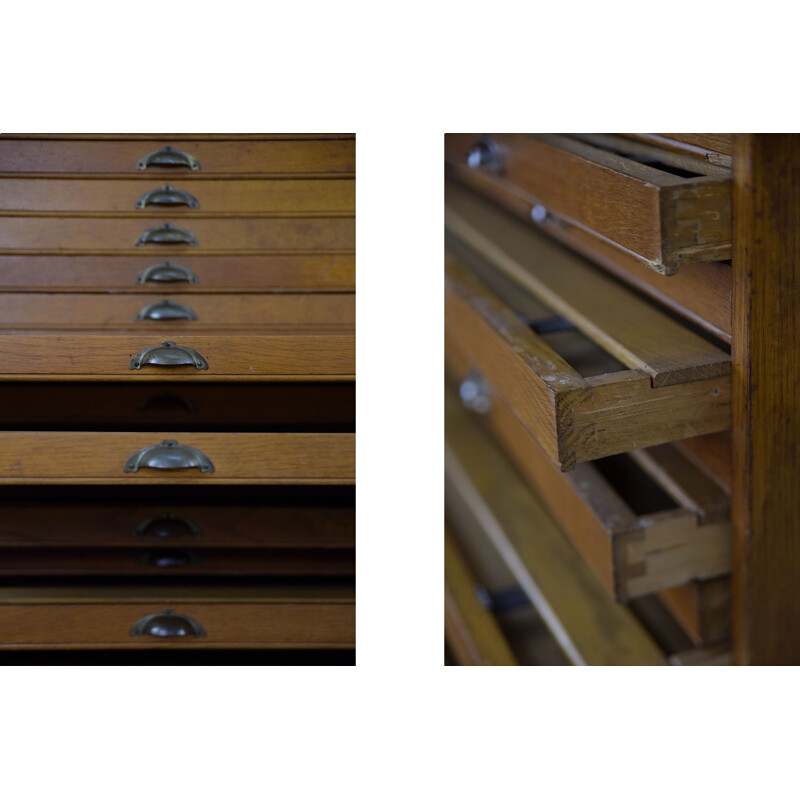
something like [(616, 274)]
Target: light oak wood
[(589, 625), (54, 457), (632, 554), (574, 419), (658, 217), (120, 234), (216, 273), (102, 524), (285, 353), (240, 157), (470, 630), (71, 195), (87, 311)]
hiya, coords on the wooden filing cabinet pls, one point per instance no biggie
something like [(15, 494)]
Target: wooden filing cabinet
[(601, 340), (177, 310)]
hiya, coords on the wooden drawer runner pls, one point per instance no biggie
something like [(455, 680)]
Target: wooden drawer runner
[(54, 457), (153, 406), (176, 562), (126, 524), (285, 353), (124, 233), (336, 156), (643, 522), (590, 626), (677, 384), (663, 208), (312, 616), (207, 273), (211, 196), (702, 608), (41, 310)]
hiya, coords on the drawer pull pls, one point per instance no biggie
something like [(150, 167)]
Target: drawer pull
[(167, 234), (485, 154), (167, 401), (167, 196), (168, 273), (475, 393), (167, 527), (168, 354), (166, 309), (167, 558), (167, 624), (169, 455), (168, 157)]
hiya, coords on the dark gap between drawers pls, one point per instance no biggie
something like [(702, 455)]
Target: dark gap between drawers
[(636, 488), (188, 656)]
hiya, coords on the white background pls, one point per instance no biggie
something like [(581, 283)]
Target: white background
[(399, 724)]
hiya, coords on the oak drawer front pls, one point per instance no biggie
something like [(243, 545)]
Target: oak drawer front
[(277, 624), (152, 406), (164, 235), (126, 524), (336, 156), (192, 273), (179, 562), (53, 457), (41, 310), (679, 212), (311, 354), (177, 195), (643, 522)]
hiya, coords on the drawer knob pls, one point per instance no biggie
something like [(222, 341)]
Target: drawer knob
[(538, 214), (168, 273), (169, 455), (168, 157), (167, 527), (167, 558), (167, 234), (166, 309), (167, 624), (167, 196), (485, 154), (475, 393), (168, 354)]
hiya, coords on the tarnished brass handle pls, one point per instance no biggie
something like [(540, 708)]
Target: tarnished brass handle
[(167, 196), (167, 624), (166, 309), (167, 558), (167, 234), (168, 354), (167, 527), (169, 455), (168, 273), (485, 154), (168, 157)]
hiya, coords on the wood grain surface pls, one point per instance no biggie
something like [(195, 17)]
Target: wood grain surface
[(54, 457), (766, 398), (215, 273), (216, 157), (703, 609)]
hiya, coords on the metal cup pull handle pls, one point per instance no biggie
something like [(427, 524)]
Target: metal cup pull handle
[(167, 234), (166, 309), (167, 196), (169, 455), (167, 624), (167, 558), (167, 526), (168, 354), (485, 154), (166, 272), (168, 157)]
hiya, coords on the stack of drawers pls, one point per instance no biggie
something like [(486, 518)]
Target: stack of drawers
[(177, 407), (587, 332)]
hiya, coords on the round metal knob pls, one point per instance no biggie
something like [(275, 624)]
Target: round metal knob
[(538, 214), (475, 394), (485, 154)]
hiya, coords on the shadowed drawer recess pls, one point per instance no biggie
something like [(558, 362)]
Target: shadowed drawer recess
[(177, 393)]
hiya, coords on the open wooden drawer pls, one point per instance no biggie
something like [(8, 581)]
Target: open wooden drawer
[(187, 457), (590, 368), (212, 615), (643, 521), (658, 206), (285, 352)]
